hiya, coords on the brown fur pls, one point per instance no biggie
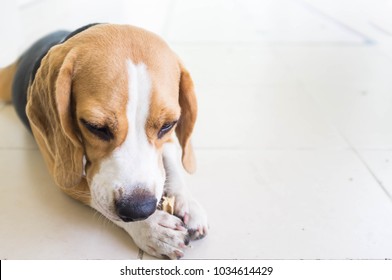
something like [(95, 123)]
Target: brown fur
[(6, 79), (187, 121), (85, 78), (48, 110)]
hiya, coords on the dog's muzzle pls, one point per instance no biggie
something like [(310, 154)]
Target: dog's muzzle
[(135, 207)]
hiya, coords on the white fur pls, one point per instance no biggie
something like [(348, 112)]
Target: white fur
[(175, 183), (134, 164)]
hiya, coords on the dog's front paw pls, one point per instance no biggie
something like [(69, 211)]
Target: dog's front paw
[(197, 223), (162, 235), (193, 215)]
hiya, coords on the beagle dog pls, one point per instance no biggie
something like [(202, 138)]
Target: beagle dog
[(111, 107)]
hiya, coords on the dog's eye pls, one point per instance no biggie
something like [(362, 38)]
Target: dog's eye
[(102, 132), (165, 129)]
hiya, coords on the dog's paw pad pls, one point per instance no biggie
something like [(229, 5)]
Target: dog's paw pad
[(198, 233)]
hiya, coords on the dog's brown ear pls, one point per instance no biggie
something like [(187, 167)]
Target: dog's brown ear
[(186, 123), (50, 115)]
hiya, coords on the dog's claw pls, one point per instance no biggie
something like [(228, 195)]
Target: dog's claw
[(178, 254), (187, 240)]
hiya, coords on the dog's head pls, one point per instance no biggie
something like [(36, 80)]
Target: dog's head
[(101, 107)]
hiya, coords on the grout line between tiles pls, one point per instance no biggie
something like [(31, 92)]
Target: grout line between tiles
[(380, 29), (350, 147), (355, 151), (380, 183), (367, 40)]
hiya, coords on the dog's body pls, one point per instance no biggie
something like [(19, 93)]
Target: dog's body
[(103, 103)]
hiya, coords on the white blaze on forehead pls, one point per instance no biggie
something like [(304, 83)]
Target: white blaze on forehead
[(134, 164), (141, 158), (139, 85)]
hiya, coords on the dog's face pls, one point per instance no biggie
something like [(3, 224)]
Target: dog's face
[(120, 94)]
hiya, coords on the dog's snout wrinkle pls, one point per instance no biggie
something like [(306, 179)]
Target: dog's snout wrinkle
[(137, 206)]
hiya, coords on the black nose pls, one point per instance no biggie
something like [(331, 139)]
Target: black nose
[(136, 207)]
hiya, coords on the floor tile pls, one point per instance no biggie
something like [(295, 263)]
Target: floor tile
[(367, 19), (291, 205), (73, 14), (38, 221), (253, 21), (351, 85), (224, 65), (380, 164), (141, 13), (268, 117), (13, 134), (361, 112), (10, 40), (337, 65), (229, 26)]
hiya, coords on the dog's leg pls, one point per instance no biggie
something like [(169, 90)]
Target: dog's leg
[(161, 235), (187, 208)]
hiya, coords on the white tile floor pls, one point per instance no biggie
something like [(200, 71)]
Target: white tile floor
[(294, 137)]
